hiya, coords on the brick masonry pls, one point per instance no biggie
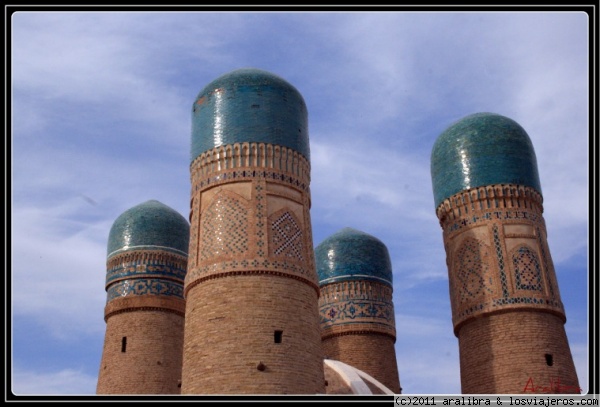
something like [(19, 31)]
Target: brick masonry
[(232, 323), (358, 328), (370, 352), (506, 306), (517, 352), (142, 353), (144, 316), (251, 274)]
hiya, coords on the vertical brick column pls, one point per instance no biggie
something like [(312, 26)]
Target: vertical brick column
[(145, 308), (506, 307), (356, 305), (251, 292), (357, 328), (500, 269)]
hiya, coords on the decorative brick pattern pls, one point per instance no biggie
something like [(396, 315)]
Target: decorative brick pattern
[(250, 161), (259, 278), (148, 286), (500, 270), (224, 230), (144, 263), (286, 236), (505, 284), (358, 327), (149, 271), (346, 305), (500, 259), (527, 269), (474, 279)]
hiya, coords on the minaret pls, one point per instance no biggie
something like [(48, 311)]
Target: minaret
[(251, 289), (506, 307), (144, 313), (356, 308)]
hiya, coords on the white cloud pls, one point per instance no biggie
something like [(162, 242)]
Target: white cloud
[(58, 271), (103, 99), (61, 382)]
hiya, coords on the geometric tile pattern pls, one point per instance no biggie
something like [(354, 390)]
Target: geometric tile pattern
[(507, 279), (357, 310), (260, 199), (352, 303), (527, 269), (472, 270), (232, 175), (262, 264), (224, 229), (486, 216), (286, 236), (500, 259), (144, 263), (144, 286)]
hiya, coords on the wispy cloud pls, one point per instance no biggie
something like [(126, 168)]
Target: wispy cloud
[(101, 122), (59, 382)]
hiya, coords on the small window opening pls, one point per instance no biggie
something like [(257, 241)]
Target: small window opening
[(124, 344), (278, 335), (549, 360)]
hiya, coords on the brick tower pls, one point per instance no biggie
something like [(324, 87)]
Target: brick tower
[(144, 313), (356, 308), (252, 323), (506, 307)]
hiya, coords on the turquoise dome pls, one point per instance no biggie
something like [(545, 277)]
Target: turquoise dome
[(249, 105), (149, 225), (352, 255), (482, 149)]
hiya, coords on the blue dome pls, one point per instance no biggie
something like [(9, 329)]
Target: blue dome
[(482, 149), (148, 225), (249, 105), (352, 255)]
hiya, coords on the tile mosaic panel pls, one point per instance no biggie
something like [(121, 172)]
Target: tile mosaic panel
[(356, 311), (126, 266), (472, 270), (224, 228), (144, 286), (285, 236), (527, 269)]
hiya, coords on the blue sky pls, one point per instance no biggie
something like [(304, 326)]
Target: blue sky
[(101, 121)]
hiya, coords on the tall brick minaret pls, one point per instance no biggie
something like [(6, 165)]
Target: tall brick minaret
[(506, 307), (146, 266), (356, 307), (251, 288)]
